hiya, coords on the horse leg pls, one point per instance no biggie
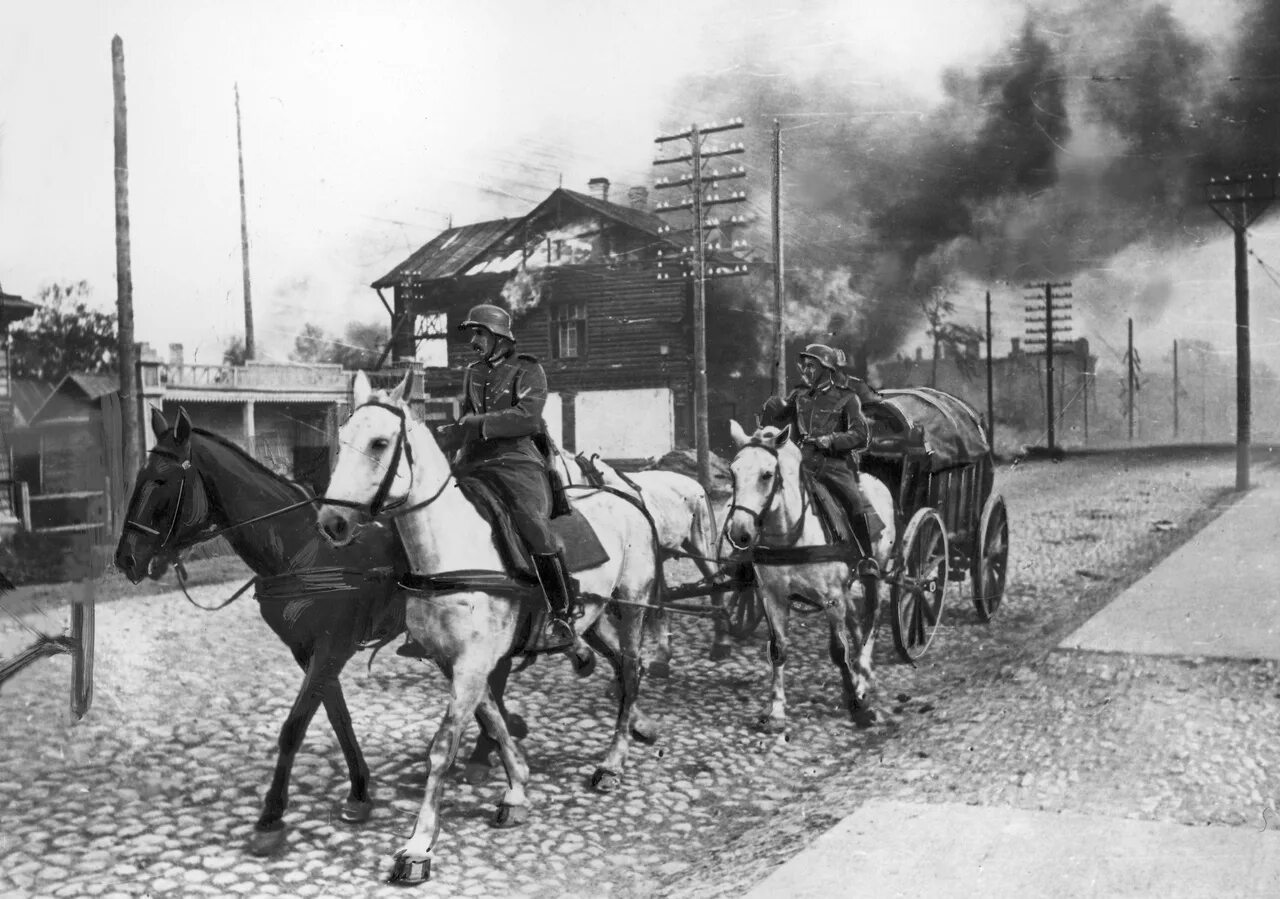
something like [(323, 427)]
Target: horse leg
[(850, 651), (774, 718), (603, 637), (721, 643), (864, 635), (514, 808), (358, 805), (626, 664), (658, 626), (477, 767), (321, 671), (468, 684)]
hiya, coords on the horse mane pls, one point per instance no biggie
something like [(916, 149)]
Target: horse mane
[(254, 466)]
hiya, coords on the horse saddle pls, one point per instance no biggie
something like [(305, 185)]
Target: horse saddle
[(834, 512), (582, 548)]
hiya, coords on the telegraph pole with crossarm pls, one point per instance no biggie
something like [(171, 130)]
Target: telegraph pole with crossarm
[(1054, 326), (1239, 200), (703, 193)]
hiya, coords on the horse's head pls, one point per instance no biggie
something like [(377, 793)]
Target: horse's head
[(375, 464), (169, 506), (765, 463)]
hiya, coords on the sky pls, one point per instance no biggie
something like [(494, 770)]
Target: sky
[(369, 126)]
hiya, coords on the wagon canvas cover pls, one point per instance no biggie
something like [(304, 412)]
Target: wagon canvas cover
[(953, 434)]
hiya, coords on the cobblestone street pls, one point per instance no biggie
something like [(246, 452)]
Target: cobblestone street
[(156, 791)]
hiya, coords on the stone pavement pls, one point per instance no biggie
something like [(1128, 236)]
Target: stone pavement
[(1211, 608)]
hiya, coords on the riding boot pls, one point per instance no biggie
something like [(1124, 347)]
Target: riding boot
[(865, 532), (411, 648), (561, 592)]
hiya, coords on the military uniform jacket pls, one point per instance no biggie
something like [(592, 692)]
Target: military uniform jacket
[(832, 410), (505, 396)]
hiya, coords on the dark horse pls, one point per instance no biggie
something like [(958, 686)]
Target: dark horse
[(324, 602)]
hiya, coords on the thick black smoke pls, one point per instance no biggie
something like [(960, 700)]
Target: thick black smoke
[(1091, 130)]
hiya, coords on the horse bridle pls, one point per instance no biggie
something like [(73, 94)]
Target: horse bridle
[(378, 507), (757, 515), (184, 464)]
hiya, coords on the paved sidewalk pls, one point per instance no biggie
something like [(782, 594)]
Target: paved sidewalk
[(1216, 597), (900, 849)]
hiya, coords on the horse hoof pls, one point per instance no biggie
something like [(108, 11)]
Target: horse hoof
[(355, 811), (410, 872), (865, 717), (773, 725), (584, 664), (475, 773), (720, 653), (264, 842), (645, 731), (510, 815), (660, 669), (517, 727), (605, 781)]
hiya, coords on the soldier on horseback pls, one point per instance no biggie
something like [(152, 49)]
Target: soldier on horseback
[(500, 438), (827, 421)]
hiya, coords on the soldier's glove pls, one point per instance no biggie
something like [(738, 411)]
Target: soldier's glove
[(450, 437), (775, 407), (823, 443)]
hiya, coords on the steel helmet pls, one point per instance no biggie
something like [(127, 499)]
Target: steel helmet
[(827, 357), (492, 318)]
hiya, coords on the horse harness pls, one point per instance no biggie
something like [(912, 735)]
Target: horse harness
[(757, 515)]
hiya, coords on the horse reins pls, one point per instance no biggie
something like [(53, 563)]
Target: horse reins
[(792, 534), (378, 507)]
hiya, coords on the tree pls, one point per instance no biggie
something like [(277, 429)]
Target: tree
[(235, 352), (938, 309), (65, 335), (361, 346)]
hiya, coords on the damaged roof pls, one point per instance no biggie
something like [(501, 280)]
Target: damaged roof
[(448, 253), (454, 250)]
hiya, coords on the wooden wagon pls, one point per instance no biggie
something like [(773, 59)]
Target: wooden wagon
[(933, 451)]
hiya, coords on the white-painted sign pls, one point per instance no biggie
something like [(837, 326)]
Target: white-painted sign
[(625, 424)]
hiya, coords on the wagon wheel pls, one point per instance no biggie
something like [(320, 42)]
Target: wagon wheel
[(990, 562), (746, 609), (82, 653), (919, 584)]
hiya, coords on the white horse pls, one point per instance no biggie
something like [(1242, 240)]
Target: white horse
[(469, 618), (685, 523), (770, 511)]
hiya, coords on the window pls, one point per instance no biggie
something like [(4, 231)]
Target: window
[(569, 331), (430, 340)]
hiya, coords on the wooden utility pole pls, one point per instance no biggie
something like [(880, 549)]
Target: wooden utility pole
[(991, 404), (126, 351), (1050, 332), (779, 331), (244, 242), (1239, 200), (699, 182), (1131, 361), (1175, 390)]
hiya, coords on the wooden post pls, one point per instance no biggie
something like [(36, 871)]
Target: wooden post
[(1175, 390), (701, 431), (779, 334), (991, 405), (126, 351), (249, 351), (1048, 358), (1243, 405), (1131, 381)]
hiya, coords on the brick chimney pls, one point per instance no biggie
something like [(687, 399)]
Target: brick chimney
[(175, 354), (1015, 346), (599, 188), (638, 197)]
